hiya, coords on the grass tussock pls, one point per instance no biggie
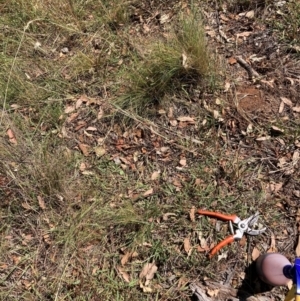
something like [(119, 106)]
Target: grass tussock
[(175, 63), (36, 168)]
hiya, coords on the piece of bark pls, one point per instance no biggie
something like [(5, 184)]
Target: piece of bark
[(225, 292), (232, 293), (199, 292)]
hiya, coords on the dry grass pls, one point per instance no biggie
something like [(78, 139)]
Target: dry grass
[(70, 215), (174, 64)]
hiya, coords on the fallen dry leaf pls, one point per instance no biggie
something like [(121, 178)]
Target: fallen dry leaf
[(124, 274), (277, 129), (232, 60), (100, 113), (272, 248), (72, 117), (249, 128), (275, 187), (182, 162), (263, 138), (11, 136), (148, 273), (87, 134), (223, 17), (287, 101), (212, 292), (95, 270), (250, 14), (243, 34), (296, 109), (3, 266), (269, 83), (255, 254), (125, 258), (192, 214), (281, 107), (82, 166), (296, 156), (187, 245), (282, 162), (148, 192), (125, 161), (69, 109), (216, 114), (83, 98), (218, 101), (78, 103), (173, 122), (146, 289), (16, 259), (26, 206), (147, 244), (227, 86), (41, 202), (203, 243), (84, 148), (47, 239), (202, 250), (211, 33), (171, 113), (164, 18), (296, 193), (92, 128), (146, 28), (27, 284), (198, 182), (155, 175), (161, 112), (99, 151), (186, 119), (64, 133)]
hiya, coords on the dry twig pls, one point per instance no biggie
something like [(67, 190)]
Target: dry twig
[(251, 72)]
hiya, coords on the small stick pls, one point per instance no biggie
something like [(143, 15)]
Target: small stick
[(230, 275), (251, 72)]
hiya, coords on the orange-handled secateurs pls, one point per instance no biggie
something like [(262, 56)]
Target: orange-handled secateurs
[(241, 227)]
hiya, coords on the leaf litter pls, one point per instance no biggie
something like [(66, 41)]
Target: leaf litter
[(146, 275)]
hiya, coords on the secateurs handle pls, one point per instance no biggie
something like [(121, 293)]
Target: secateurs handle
[(220, 245), (234, 218)]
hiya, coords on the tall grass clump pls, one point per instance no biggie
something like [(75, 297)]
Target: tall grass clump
[(173, 63)]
